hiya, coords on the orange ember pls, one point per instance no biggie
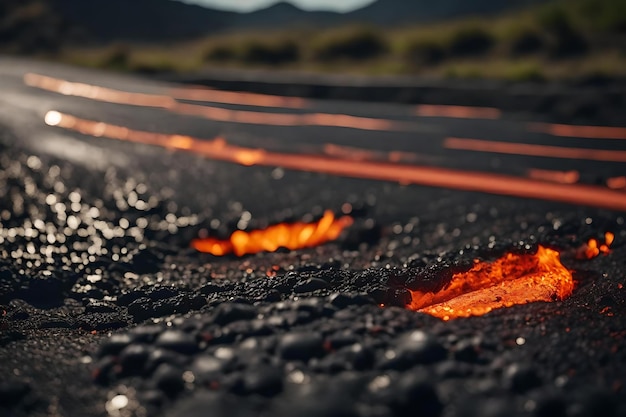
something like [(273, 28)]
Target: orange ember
[(512, 279), (291, 236), (593, 248)]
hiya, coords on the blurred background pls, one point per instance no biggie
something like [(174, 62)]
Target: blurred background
[(516, 40)]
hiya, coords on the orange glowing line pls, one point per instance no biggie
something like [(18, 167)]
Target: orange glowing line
[(349, 152), (459, 112), (563, 177), (421, 175), (212, 113), (231, 97), (97, 93), (479, 145), (616, 183), (511, 280), (360, 154), (292, 236), (575, 131)]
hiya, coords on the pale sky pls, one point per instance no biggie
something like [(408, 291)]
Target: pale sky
[(248, 5)]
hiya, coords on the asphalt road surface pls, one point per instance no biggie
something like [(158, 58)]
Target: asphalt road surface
[(106, 309)]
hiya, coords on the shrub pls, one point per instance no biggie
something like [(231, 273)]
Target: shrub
[(605, 15), (220, 53), (555, 20), (424, 52), (525, 42), (471, 41), (354, 44), (564, 40), (117, 57), (525, 72), (255, 52)]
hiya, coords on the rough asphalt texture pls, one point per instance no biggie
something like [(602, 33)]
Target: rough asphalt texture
[(103, 304)]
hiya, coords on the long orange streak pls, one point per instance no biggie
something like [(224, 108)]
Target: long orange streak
[(616, 183), (231, 97), (510, 280), (459, 112), (575, 131), (93, 92), (563, 177), (212, 113), (438, 177), (534, 150)]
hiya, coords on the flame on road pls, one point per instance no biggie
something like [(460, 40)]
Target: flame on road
[(510, 280), (284, 235)]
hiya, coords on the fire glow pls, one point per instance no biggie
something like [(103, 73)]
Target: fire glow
[(510, 280), (593, 247), (291, 236)]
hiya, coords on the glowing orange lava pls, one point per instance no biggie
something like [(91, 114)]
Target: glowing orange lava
[(594, 248), (291, 236), (510, 280), (219, 149)]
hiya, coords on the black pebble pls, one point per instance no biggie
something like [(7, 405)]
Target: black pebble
[(300, 346), (230, 312), (416, 347), (345, 300), (177, 341), (169, 379), (133, 358), (413, 395), (521, 378), (263, 380), (310, 285), (12, 392), (114, 345)]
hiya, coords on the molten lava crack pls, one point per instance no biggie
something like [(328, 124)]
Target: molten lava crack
[(291, 236), (512, 279)]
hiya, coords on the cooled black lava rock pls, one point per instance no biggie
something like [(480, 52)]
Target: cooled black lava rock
[(300, 346), (169, 379), (44, 292), (414, 395), (467, 351), (101, 321), (145, 334), (521, 378), (177, 341), (436, 276), (114, 344), (344, 300), (264, 380), (207, 367), (12, 391), (133, 358), (160, 356), (416, 347), (229, 312), (141, 309), (310, 285)]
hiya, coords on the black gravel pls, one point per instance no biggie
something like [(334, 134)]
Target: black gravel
[(105, 310)]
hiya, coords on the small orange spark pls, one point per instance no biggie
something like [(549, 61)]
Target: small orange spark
[(593, 247), (291, 236)]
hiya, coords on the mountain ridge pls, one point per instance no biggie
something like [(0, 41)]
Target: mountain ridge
[(171, 20)]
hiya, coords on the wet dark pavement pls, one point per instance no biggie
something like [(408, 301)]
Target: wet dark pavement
[(107, 311)]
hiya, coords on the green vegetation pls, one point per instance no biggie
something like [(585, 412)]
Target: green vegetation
[(565, 38)]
